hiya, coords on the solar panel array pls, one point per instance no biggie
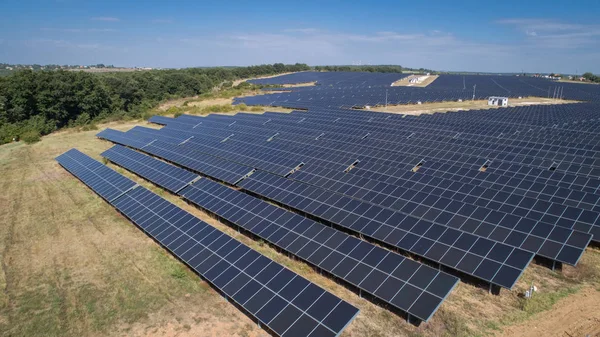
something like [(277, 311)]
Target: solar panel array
[(337, 90), (369, 158), (502, 267), (376, 271), (476, 194), (284, 302), (555, 243), (333, 78)]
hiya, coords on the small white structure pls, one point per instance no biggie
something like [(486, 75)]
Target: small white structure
[(498, 101), (418, 79)]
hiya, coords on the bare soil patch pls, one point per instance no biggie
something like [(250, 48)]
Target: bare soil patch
[(194, 105), (236, 82), (576, 315), (297, 85), (578, 82), (404, 82), (428, 108)]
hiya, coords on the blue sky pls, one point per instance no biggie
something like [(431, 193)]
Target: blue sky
[(500, 36)]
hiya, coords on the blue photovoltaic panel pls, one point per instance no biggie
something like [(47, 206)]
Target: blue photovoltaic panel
[(469, 254), (383, 274), (183, 155), (403, 283), (161, 120), (482, 258), (284, 302), (120, 138), (165, 175), (104, 181)]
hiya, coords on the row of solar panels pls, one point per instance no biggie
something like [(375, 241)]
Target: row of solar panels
[(491, 261), (553, 177), (556, 214), (333, 85), (411, 287), (284, 302), (333, 78), (310, 178), (556, 208)]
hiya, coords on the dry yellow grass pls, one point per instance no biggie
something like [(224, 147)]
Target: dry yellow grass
[(578, 82), (428, 108), (297, 85), (198, 105), (72, 266), (404, 82)]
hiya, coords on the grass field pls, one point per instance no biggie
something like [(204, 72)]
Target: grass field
[(72, 266)]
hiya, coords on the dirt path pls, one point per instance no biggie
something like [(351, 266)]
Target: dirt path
[(576, 315)]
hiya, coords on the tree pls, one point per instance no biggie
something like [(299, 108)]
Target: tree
[(39, 102), (591, 77)]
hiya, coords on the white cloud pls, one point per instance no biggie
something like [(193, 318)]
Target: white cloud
[(555, 34), (541, 46), (433, 50), (105, 18)]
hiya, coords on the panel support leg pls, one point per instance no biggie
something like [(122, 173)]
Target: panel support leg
[(556, 266), (494, 289)]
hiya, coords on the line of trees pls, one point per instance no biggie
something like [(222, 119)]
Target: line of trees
[(35, 103), (372, 69)]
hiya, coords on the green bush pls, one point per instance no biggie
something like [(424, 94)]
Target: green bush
[(31, 136), (8, 132), (81, 120), (147, 115), (40, 124), (177, 114)]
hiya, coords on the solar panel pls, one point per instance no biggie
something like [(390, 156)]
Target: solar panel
[(502, 270), (104, 181), (441, 208), (161, 120), (482, 258), (168, 176), (380, 273), (183, 155), (284, 302), (405, 284), (334, 155), (119, 137)]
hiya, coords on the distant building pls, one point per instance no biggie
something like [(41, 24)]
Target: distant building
[(497, 101)]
